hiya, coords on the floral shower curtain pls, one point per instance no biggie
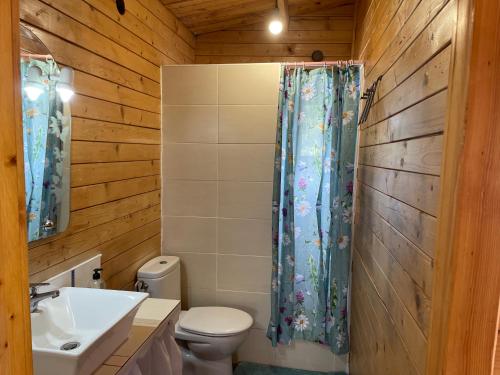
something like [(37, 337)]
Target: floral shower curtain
[(312, 205), (46, 138)]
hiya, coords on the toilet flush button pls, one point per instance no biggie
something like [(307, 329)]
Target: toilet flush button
[(158, 267)]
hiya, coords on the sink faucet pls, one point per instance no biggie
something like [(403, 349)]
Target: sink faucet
[(36, 297)]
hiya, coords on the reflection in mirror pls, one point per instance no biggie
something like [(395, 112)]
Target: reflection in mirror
[(46, 91)]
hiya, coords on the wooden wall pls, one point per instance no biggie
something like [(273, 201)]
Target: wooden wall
[(15, 326), (467, 276), (328, 31), (409, 43), (496, 369), (115, 171)]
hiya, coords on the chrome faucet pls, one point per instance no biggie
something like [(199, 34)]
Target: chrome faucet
[(36, 297)]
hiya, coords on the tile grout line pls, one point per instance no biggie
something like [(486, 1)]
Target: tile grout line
[(244, 291), (217, 192)]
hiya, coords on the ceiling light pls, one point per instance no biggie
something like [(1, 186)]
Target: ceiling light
[(276, 27), (64, 86), (33, 86)]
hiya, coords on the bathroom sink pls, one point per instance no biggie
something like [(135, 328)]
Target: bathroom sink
[(77, 331)]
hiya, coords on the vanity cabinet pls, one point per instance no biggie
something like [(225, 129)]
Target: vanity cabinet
[(151, 348)]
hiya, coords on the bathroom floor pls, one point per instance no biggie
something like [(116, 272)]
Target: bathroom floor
[(247, 368)]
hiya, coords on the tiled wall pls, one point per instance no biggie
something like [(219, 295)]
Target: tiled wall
[(219, 124)]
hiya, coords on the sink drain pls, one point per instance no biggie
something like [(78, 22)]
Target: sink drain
[(70, 345)]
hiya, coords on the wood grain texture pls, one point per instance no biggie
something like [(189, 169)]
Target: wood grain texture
[(426, 117), (283, 12), (409, 43), (453, 146), (414, 224), (423, 194), (205, 16), (425, 82), (496, 368), (467, 282), (413, 260), (15, 330), (422, 155), (329, 31), (396, 284), (116, 138), (381, 340)]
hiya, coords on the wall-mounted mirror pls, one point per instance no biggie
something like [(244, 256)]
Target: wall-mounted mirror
[(46, 94)]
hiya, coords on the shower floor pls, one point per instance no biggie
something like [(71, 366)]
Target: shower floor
[(247, 368)]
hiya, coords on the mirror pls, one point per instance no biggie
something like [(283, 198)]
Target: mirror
[(46, 93)]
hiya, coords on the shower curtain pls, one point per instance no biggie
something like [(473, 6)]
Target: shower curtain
[(312, 205), (46, 138)]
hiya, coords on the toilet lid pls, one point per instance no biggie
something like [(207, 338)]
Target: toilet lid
[(215, 321)]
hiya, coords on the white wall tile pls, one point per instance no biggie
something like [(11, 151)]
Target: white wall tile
[(190, 123), (248, 123), (191, 84), (189, 198), (221, 229), (249, 84), (244, 236), (244, 273), (191, 161), (300, 354), (197, 270), (190, 234), (195, 297), (250, 162), (310, 356), (256, 304), (250, 200)]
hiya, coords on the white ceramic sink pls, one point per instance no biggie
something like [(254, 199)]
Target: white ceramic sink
[(99, 320)]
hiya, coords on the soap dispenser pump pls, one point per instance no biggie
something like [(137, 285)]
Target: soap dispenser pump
[(97, 282)]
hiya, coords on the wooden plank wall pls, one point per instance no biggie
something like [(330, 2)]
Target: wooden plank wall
[(15, 324), (467, 277), (330, 31), (496, 369), (409, 43), (115, 171)]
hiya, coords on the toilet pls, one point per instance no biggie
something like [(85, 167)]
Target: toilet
[(208, 336)]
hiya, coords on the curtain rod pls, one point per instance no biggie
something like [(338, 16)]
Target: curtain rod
[(323, 63), (35, 55)]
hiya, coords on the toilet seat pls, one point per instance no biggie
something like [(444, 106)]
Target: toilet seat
[(214, 321)]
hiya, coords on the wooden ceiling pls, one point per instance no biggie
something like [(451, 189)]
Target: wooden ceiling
[(205, 16)]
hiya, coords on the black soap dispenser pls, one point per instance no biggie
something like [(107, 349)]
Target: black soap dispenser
[(97, 282)]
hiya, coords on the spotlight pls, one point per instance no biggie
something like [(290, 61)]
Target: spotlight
[(276, 27), (65, 85), (32, 86)]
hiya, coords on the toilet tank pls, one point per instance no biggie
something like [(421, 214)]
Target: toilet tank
[(161, 277)]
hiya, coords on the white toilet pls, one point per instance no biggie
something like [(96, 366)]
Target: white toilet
[(208, 336)]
